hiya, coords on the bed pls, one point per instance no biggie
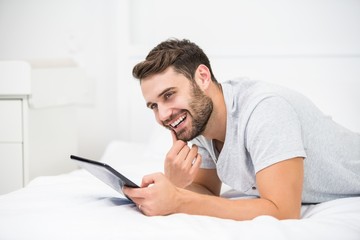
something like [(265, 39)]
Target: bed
[(76, 205)]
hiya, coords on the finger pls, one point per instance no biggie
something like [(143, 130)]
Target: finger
[(196, 164), (176, 141), (191, 156), (134, 193), (184, 153), (176, 148), (173, 135), (149, 179)]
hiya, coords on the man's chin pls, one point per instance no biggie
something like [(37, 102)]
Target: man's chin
[(183, 136)]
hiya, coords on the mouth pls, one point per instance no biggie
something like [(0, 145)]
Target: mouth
[(177, 121)]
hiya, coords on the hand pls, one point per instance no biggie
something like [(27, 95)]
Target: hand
[(157, 195), (182, 163)]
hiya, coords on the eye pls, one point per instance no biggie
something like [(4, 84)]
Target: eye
[(168, 95), (153, 106)]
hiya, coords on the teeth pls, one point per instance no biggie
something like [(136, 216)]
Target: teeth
[(177, 122)]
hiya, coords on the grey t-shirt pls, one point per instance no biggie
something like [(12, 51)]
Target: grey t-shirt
[(267, 124)]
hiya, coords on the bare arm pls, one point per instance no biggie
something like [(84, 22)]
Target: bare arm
[(206, 182), (280, 188)]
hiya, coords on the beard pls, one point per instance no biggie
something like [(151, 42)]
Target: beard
[(201, 107)]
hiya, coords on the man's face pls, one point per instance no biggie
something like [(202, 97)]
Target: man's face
[(177, 104)]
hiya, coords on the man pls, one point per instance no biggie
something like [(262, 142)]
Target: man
[(266, 141)]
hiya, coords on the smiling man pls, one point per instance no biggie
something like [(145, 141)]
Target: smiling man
[(266, 141)]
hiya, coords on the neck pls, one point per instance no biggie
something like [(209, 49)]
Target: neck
[(216, 127)]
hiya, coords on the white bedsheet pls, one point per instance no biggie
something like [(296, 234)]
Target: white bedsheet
[(78, 206)]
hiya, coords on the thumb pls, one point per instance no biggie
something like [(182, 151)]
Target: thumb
[(150, 179)]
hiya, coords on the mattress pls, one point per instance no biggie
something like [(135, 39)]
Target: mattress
[(76, 205)]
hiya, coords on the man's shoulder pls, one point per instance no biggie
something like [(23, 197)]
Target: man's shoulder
[(245, 88), (243, 95)]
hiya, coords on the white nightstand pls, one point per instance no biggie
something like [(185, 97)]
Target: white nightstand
[(14, 90), (38, 128)]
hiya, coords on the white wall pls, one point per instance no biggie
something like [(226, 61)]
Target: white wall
[(82, 30), (279, 26), (312, 46)]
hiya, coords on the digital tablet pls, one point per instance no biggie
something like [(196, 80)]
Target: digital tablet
[(105, 173)]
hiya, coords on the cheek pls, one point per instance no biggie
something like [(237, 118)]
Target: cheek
[(181, 102)]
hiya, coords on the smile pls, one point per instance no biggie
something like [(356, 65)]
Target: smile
[(178, 121)]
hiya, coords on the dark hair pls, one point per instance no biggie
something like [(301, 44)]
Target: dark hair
[(183, 55)]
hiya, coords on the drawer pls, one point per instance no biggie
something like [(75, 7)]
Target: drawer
[(11, 167), (10, 120)]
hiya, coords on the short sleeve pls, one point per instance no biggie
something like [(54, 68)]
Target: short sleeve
[(207, 161), (273, 133)]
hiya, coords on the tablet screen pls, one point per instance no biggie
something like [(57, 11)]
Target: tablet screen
[(105, 173)]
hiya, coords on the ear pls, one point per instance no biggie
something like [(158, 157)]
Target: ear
[(203, 77)]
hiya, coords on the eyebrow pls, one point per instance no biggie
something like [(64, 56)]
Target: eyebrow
[(160, 94)]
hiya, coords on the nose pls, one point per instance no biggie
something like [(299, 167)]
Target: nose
[(164, 113)]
